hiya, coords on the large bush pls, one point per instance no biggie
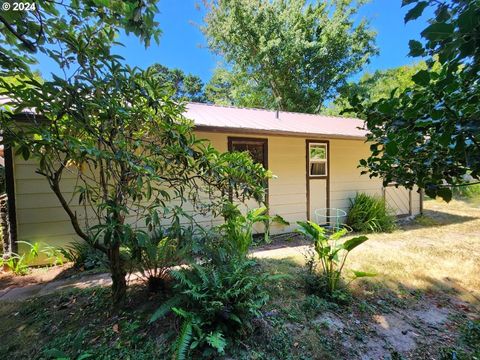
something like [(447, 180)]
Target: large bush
[(369, 214), (217, 296)]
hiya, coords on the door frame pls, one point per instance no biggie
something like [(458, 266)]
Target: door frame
[(308, 178)]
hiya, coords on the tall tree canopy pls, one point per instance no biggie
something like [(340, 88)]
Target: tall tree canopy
[(186, 87), (373, 87), (293, 53), (228, 88), (429, 134)]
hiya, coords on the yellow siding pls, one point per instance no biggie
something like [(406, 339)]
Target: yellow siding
[(41, 218), (345, 178)]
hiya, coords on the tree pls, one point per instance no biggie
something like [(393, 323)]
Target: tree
[(293, 52), (185, 87), (228, 88), (373, 87), (428, 135), (25, 33), (117, 129)]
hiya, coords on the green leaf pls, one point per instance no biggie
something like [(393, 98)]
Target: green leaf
[(280, 220), (85, 356), (421, 78), (408, 2), (445, 194), (183, 340), (416, 11), (163, 310), (438, 31), (360, 274), (351, 244), (217, 341), (416, 48), (391, 148)]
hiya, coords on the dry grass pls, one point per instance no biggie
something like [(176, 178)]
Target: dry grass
[(439, 251)]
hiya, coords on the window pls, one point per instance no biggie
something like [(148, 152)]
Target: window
[(257, 148), (317, 160)]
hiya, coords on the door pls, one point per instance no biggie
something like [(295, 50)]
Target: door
[(317, 180)]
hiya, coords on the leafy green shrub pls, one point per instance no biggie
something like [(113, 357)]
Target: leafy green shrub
[(471, 334), (331, 254), (19, 264), (215, 304), (217, 298), (157, 255), (231, 240), (369, 214), (84, 256), (467, 192)]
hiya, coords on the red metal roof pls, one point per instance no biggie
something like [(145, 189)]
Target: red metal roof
[(232, 119)]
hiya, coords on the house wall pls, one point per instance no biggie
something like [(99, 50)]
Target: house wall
[(41, 218)]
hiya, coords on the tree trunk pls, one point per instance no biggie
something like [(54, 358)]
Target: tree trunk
[(118, 273)]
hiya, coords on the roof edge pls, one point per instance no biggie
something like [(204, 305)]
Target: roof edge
[(222, 129)]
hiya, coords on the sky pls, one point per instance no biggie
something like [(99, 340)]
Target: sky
[(183, 45)]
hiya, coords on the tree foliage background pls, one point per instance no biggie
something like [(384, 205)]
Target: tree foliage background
[(373, 87), (289, 55), (428, 134)]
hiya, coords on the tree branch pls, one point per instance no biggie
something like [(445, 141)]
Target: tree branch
[(19, 36)]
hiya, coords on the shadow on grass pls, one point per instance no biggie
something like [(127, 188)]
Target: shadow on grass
[(434, 218)]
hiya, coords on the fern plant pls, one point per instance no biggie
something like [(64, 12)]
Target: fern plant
[(215, 304), (331, 252), (156, 256)]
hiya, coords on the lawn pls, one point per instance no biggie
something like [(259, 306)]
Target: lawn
[(421, 305)]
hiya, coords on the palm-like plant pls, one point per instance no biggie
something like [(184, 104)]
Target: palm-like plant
[(332, 252)]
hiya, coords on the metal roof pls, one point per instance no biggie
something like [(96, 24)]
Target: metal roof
[(232, 119)]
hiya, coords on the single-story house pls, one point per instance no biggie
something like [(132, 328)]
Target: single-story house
[(314, 159)]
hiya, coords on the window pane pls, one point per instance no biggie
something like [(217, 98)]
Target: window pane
[(319, 168), (318, 152), (254, 149)]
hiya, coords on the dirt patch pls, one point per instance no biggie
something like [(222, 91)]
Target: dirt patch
[(35, 276), (282, 241), (331, 321), (396, 332)]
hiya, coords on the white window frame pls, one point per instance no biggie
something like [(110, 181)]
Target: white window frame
[(319, 161)]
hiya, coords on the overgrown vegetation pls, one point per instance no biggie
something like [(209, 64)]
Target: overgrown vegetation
[(369, 214), (20, 264), (324, 270), (217, 297), (118, 130), (469, 192), (84, 256), (427, 135)]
